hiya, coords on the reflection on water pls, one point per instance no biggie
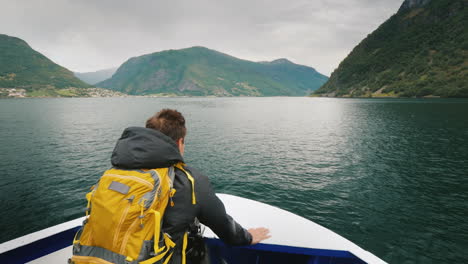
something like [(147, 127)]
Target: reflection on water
[(390, 175)]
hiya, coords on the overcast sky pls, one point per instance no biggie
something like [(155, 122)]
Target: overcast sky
[(89, 35)]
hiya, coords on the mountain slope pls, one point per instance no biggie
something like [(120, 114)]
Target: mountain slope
[(201, 71), (95, 77), (421, 50), (23, 67)]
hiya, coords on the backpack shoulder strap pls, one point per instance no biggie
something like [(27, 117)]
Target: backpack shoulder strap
[(180, 166), (171, 173)]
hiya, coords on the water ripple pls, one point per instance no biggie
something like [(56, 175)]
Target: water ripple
[(390, 175)]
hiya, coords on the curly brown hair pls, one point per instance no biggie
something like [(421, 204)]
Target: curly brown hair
[(170, 122)]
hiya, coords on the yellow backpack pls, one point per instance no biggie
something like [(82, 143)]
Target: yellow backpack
[(124, 218)]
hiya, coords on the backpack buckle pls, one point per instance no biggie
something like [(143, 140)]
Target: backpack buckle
[(76, 248)]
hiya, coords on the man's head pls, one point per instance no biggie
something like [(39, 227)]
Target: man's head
[(171, 123)]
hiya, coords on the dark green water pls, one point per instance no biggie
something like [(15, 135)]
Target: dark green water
[(390, 175)]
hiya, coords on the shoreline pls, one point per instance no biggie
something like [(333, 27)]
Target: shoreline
[(211, 96), (388, 97)]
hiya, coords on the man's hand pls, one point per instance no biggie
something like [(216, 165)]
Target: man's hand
[(259, 234)]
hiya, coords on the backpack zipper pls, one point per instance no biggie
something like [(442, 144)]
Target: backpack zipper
[(127, 235), (122, 218), (132, 227)]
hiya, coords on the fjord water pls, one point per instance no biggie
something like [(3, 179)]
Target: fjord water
[(391, 175)]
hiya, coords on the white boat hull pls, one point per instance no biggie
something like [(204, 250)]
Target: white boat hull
[(292, 237)]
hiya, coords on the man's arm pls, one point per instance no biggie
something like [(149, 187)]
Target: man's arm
[(212, 213)]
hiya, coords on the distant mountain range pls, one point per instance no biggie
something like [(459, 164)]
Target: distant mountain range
[(195, 71), (95, 77), (422, 50), (23, 67), (199, 71)]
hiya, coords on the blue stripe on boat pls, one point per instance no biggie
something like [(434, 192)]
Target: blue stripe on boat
[(39, 248), (267, 253)]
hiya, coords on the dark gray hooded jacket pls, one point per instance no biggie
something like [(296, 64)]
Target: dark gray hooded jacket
[(144, 148)]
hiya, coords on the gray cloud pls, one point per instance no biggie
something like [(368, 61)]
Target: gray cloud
[(88, 35)]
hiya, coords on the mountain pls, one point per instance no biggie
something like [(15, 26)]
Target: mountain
[(23, 67), (199, 71), (422, 50), (95, 77)]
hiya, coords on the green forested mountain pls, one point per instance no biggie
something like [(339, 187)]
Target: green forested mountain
[(95, 77), (422, 50), (201, 71), (23, 67)]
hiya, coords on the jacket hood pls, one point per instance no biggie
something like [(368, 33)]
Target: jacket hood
[(145, 148)]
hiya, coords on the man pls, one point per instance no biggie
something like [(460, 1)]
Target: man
[(162, 144)]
